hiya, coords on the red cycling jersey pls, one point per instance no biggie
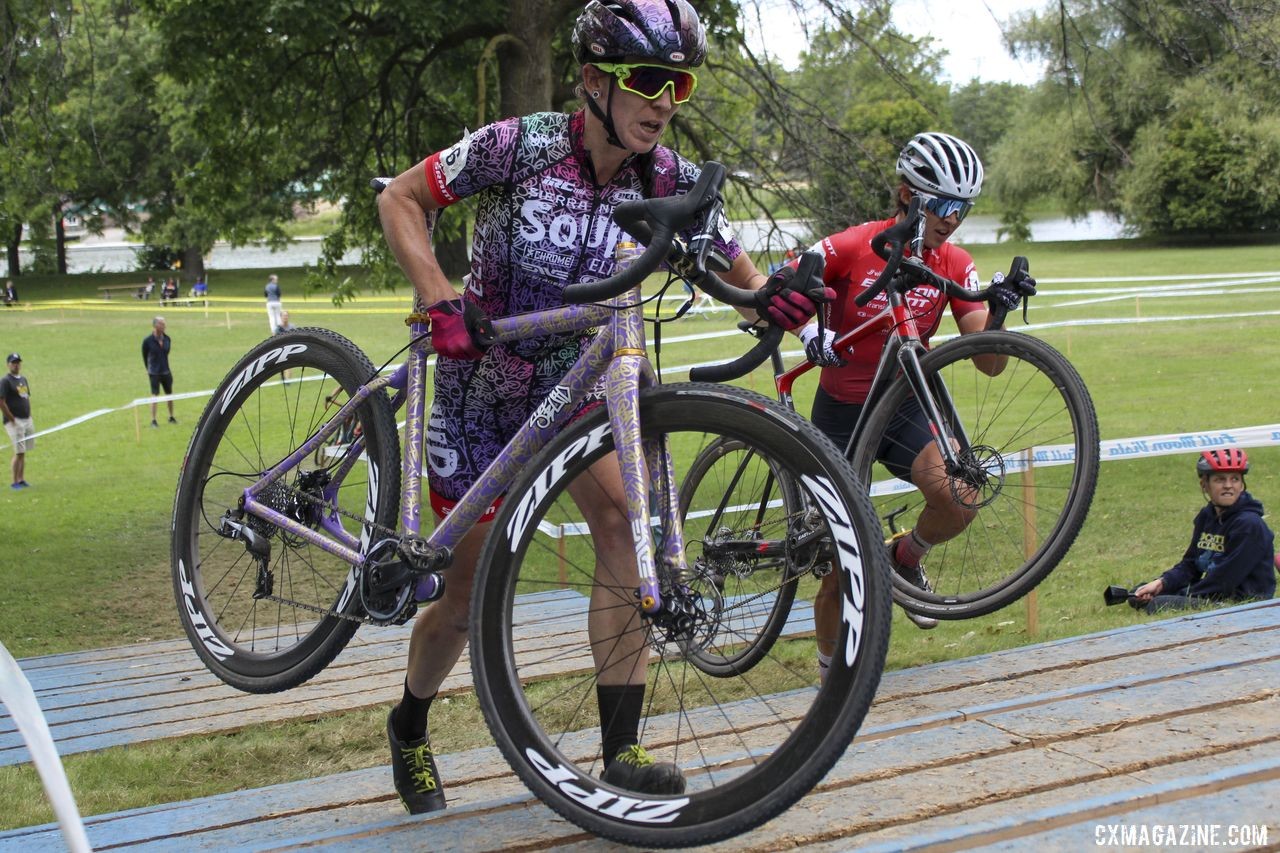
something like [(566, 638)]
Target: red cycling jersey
[(851, 268)]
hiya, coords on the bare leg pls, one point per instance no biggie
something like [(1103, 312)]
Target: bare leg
[(440, 632), (617, 637), (940, 520), (942, 517)]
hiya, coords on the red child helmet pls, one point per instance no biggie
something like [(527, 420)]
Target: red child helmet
[(1226, 459)]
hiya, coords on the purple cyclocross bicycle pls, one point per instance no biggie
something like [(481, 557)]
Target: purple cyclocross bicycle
[(280, 553)]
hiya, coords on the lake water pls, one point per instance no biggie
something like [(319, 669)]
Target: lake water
[(107, 255)]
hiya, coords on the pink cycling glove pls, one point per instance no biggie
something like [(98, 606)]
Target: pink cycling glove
[(453, 329), (788, 308)]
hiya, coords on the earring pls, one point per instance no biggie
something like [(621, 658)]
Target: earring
[(595, 93)]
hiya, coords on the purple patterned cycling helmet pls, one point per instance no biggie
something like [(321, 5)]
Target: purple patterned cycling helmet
[(665, 31)]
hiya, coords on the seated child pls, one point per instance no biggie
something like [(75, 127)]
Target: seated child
[(1231, 556)]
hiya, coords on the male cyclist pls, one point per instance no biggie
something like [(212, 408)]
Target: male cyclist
[(1232, 552), (547, 186), (947, 174)]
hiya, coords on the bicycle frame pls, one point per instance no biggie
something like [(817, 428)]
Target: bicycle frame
[(617, 354), (901, 352)]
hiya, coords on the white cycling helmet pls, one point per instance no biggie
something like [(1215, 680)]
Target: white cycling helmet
[(940, 163)]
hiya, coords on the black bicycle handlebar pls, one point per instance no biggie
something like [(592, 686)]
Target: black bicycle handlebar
[(890, 245), (809, 268)]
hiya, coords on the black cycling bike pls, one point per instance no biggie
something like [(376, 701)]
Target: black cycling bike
[(1012, 422)]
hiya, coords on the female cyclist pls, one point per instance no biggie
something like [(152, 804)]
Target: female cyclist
[(547, 185), (947, 174)]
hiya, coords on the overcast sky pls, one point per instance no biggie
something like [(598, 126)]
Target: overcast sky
[(969, 30)]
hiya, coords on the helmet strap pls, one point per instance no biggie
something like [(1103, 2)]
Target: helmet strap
[(606, 115)]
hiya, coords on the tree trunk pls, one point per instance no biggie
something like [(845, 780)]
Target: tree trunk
[(451, 254), (11, 249), (192, 263), (525, 68)]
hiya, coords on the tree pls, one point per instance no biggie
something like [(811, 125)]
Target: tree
[(1161, 112), (32, 132)]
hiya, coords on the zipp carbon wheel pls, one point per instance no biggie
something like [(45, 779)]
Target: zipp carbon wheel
[(259, 624), (749, 744)]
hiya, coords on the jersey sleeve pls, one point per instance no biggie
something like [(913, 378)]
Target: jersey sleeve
[(476, 161), (961, 269)]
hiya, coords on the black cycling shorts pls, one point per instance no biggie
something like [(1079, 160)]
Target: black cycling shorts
[(907, 435)]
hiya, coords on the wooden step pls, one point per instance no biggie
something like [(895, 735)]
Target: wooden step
[(133, 694), (1172, 722)]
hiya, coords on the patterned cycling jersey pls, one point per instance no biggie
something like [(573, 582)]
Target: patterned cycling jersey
[(852, 267), (541, 223)]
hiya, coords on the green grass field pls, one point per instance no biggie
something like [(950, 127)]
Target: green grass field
[(86, 550)]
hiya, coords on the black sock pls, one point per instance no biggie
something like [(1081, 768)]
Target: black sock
[(409, 721), (620, 707)]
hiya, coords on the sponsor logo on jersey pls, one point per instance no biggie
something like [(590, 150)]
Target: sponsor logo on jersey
[(565, 230), (442, 458)]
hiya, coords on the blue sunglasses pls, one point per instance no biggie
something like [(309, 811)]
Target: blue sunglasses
[(943, 206)]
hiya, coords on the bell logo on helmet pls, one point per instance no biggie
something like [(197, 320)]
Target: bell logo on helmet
[(677, 56), (597, 49)]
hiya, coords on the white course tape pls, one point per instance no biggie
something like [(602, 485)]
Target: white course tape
[(16, 693)]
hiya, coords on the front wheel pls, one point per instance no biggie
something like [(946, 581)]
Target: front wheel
[(268, 623), (750, 741), (1028, 446)]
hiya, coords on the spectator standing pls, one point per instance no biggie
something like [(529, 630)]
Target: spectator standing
[(15, 404), (10, 293), (272, 292), (285, 325), (155, 355)]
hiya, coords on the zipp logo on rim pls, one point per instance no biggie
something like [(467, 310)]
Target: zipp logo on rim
[(852, 605), (626, 808), (277, 355), (551, 475), (208, 639)]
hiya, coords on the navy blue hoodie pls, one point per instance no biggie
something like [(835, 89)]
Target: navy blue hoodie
[(1231, 556)]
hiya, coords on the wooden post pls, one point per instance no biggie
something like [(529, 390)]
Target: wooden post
[(137, 425), (564, 574), (1029, 537), (228, 319)]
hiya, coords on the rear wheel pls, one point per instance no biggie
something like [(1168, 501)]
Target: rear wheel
[(1030, 466), (261, 625), (750, 740), (744, 532)]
